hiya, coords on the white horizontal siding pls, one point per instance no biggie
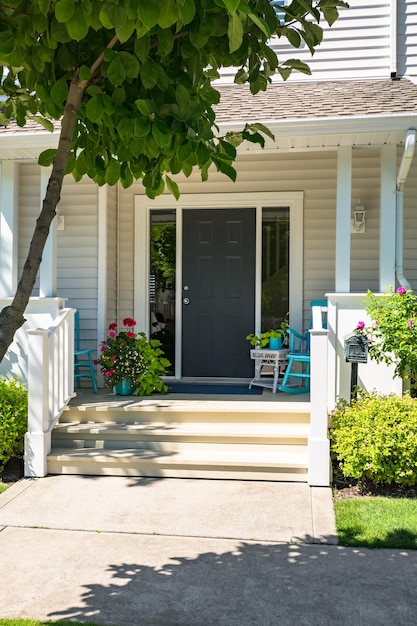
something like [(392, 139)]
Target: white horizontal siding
[(77, 254), (29, 208), (407, 39), (356, 46)]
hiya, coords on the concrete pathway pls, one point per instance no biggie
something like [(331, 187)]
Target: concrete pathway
[(142, 552)]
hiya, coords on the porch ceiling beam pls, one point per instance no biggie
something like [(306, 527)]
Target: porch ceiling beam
[(8, 227), (343, 216), (387, 218)]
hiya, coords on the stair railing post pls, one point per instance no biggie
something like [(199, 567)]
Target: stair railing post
[(318, 441), (38, 436)]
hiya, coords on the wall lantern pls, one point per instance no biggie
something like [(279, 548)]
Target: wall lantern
[(358, 219)]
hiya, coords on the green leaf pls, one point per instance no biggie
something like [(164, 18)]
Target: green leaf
[(260, 23), (231, 5), (226, 169), (95, 108), (141, 126), (173, 188), (46, 124), (235, 33), (116, 72), (148, 74), (142, 46), (47, 157), (131, 64), (44, 6), (261, 128), (84, 73), (59, 91), (64, 10), (168, 13), (7, 43), (77, 26), (187, 11), (161, 134), (149, 13), (182, 96), (112, 172)]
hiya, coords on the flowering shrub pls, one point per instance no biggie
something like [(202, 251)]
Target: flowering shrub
[(392, 335), (127, 355), (13, 419)]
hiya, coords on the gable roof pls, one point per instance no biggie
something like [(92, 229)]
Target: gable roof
[(317, 100)]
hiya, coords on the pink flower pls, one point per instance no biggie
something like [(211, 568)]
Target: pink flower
[(410, 323), (113, 358), (109, 373), (361, 325), (129, 322), (112, 335), (401, 291)]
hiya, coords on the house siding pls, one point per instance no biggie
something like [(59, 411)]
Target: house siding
[(407, 39), (356, 46), (314, 173), (112, 266), (77, 254), (29, 207)]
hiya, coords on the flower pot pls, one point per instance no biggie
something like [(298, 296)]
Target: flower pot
[(275, 343), (125, 388)]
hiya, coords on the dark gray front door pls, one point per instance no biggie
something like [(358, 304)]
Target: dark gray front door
[(218, 291)]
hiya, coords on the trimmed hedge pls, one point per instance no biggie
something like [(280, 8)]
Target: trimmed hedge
[(375, 439), (13, 419)]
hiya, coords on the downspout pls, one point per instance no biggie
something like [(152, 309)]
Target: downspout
[(405, 164)]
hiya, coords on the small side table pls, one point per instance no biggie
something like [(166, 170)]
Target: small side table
[(276, 359)]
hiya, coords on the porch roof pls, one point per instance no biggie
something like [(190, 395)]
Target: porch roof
[(303, 115)]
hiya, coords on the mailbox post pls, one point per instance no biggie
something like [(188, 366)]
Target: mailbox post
[(356, 351)]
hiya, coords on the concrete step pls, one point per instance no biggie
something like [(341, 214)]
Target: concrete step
[(226, 464), (196, 411), (136, 435)]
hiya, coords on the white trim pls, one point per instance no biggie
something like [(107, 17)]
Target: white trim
[(343, 212), (388, 219), (49, 265), (102, 196), (293, 199), (9, 179)]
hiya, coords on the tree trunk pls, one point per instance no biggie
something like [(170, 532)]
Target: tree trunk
[(12, 317)]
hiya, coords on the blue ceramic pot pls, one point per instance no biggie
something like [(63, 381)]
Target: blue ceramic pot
[(125, 388)]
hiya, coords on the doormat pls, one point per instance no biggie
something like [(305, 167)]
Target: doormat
[(209, 389)]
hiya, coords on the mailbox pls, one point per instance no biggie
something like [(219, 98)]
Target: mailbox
[(356, 349)]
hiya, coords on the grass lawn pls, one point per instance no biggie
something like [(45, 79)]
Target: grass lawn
[(377, 522), (3, 487), (33, 622)]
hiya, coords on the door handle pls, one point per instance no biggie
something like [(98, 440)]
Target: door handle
[(186, 300)]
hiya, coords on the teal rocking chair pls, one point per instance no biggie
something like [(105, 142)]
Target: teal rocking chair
[(83, 359), (297, 374)]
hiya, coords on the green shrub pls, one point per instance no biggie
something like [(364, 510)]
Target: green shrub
[(375, 439), (13, 419)]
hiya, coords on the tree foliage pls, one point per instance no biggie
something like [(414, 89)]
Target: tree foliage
[(131, 83)]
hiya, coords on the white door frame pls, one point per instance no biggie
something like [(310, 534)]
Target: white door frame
[(143, 205)]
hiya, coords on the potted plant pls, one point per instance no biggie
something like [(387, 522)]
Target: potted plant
[(130, 363), (275, 338)]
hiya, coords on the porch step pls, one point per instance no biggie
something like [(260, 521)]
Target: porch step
[(183, 439), (239, 465)]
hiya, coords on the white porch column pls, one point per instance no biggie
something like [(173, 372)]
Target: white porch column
[(318, 441), (343, 217), (48, 268), (8, 228), (102, 263), (387, 217)]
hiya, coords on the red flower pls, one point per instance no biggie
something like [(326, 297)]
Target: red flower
[(130, 334), (113, 326), (129, 322)]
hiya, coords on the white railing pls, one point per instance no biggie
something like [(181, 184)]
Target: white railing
[(318, 441), (50, 386)]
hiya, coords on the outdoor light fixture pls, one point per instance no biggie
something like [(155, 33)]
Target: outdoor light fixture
[(358, 219)]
